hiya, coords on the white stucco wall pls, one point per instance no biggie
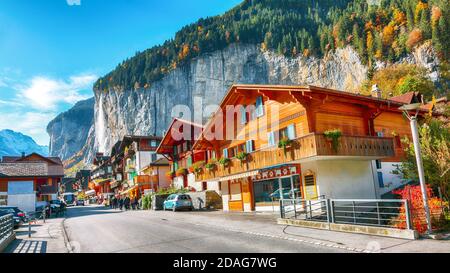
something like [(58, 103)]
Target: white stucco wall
[(178, 182), (343, 178), (191, 182), (214, 186)]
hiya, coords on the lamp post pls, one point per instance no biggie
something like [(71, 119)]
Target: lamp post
[(415, 135)]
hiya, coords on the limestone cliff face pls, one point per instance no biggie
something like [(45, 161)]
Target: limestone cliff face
[(142, 112), (149, 111), (69, 130)]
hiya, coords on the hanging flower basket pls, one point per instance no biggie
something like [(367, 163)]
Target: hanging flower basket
[(333, 136), (182, 172), (284, 143), (211, 165), (224, 162)]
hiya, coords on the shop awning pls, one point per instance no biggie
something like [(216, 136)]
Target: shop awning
[(98, 182), (127, 191), (239, 176), (114, 184), (90, 193)]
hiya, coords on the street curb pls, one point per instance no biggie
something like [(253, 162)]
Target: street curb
[(66, 237)]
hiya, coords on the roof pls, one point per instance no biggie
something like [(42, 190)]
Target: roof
[(52, 159), (298, 93), (24, 169), (160, 162), (33, 165), (408, 98), (168, 139)]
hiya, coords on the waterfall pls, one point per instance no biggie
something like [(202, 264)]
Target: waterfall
[(100, 128)]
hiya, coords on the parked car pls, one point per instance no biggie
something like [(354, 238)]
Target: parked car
[(80, 202), (40, 206), (178, 202), (57, 206), (19, 216)]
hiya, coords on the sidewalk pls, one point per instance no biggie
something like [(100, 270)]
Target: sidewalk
[(46, 237)]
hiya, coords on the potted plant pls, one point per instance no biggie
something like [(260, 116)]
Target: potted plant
[(284, 143), (224, 162), (211, 165), (242, 156), (170, 174), (197, 167), (333, 136), (181, 172)]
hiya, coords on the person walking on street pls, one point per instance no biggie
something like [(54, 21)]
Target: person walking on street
[(127, 203), (120, 203)]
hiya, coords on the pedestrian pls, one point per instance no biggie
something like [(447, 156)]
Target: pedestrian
[(127, 203), (120, 203), (136, 203)]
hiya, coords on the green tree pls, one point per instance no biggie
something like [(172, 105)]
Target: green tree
[(435, 149)]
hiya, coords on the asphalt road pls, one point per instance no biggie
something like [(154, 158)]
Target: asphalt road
[(100, 230)]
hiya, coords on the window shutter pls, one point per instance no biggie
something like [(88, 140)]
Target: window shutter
[(189, 161), (291, 131), (380, 180), (243, 115), (249, 146), (259, 106), (175, 150), (225, 153)]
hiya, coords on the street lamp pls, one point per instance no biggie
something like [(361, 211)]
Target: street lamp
[(415, 134)]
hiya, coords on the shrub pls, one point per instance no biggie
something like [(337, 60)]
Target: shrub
[(242, 156), (418, 219), (146, 201)]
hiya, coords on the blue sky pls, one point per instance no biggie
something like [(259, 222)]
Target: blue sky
[(52, 51)]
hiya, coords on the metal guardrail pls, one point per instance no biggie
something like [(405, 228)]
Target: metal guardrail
[(6, 226), (390, 213)]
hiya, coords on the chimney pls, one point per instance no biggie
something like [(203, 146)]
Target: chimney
[(376, 92)]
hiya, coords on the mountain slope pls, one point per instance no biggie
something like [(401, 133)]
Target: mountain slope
[(69, 130), (15, 143), (379, 30)]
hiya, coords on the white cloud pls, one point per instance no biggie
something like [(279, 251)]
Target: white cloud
[(46, 93), (33, 124)]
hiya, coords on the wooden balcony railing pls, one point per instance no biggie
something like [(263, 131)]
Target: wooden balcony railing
[(308, 146)]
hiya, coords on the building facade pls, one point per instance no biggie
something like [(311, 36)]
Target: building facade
[(29, 179), (282, 142)]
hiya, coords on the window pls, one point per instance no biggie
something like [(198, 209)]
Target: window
[(380, 134), (154, 157), (235, 192), (213, 154), (243, 148), (271, 139), (244, 119), (259, 107), (225, 153), (380, 180), (153, 143), (249, 146), (291, 131), (185, 146), (189, 161), (378, 163), (204, 186)]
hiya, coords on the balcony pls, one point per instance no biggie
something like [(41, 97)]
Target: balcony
[(308, 147)]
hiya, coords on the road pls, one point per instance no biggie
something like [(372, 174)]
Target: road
[(101, 230)]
